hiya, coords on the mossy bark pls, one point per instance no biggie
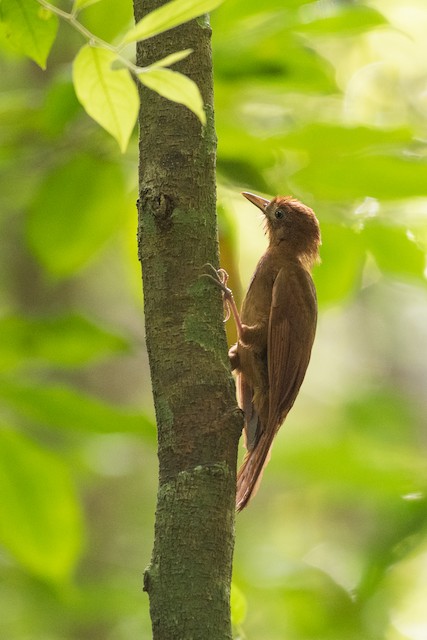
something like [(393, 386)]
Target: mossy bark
[(198, 422)]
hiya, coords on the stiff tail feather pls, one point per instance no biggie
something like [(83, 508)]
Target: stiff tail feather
[(250, 473)]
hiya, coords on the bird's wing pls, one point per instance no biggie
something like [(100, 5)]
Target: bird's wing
[(292, 325)]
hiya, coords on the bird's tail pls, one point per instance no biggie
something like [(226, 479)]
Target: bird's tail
[(250, 473)]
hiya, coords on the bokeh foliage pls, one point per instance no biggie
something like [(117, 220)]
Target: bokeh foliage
[(324, 100)]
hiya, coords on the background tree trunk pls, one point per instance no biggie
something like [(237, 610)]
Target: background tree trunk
[(188, 580)]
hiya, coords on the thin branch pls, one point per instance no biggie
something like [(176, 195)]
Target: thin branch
[(94, 41), (90, 37)]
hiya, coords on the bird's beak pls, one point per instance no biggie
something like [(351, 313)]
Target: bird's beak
[(259, 202)]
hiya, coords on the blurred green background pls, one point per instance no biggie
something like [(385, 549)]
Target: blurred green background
[(324, 100)]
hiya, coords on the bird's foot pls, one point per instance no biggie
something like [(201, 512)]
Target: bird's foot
[(220, 278)]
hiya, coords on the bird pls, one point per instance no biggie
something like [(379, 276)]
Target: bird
[(275, 328)]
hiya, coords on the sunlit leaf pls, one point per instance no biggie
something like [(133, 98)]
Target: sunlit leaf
[(63, 341), (352, 465), (346, 163), (61, 407), (109, 19), (40, 520), (168, 16), (343, 257), (164, 62), (175, 86), (110, 97), (377, 176), (172, 59), (395, 253), (325, 139), (30, 28), (82, 4), (77, 208), (338, 18)]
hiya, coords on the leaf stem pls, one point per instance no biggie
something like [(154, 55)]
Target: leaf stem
[(91, 37)]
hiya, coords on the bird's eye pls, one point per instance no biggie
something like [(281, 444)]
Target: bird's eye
[(280, 214)]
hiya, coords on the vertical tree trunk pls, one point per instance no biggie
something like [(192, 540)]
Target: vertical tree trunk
[(198, 422)]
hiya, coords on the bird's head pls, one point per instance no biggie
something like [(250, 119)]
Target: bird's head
[(291, 222)]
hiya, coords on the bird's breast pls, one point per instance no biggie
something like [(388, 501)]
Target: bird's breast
[(256, 309), (257, 302)]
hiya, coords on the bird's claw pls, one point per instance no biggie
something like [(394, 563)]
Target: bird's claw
[(220, 278)]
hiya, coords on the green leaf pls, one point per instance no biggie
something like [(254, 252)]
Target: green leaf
[(30, 28), (347, 178), (176, 87), (354, 466), (326, 141), (109, 19), (343, 258), (252, 60), (315, 606), (65, 341), (109, 97), (61, 407), (171, 59), (382, 414), (77, 208), (347, 163), (394, 252), (168, 16), (338, 18), (60, 106), (82, 4), (239, 606), (164, 62), (40, 519)]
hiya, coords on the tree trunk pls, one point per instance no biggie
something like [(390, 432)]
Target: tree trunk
[(188, 580)]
